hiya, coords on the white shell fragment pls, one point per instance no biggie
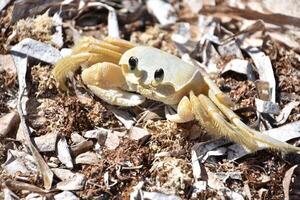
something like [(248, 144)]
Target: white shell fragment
[(286, 111), (239, 66), (124, 117), (264, 68), (64, 154), (46, 143), (163, 11), (112, 141), (182, 34), (4, 3), (76, 182), (57, 37), (66, 195), (139, 134), (38, 50), (230, 48), (266, 106), (89, 157), (286, 132), (18, 161), (159, 196), (76, 138), (63, 174)]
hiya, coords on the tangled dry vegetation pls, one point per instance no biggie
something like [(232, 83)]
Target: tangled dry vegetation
[(82, 147)]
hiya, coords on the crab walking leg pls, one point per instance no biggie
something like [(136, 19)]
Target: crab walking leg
[(263, 139), (213, 120), (89, 51), (88, 43), (184, 112), (220, 95), (120, 43)]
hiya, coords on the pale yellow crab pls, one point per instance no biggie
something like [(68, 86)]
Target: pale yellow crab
[(121, 73)]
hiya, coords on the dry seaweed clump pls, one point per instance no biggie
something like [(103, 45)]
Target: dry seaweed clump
[(167, 137), (43, 81), (171, 175), (68, 114), (8, 90), (39, 28), (156, 37), (118, 172)]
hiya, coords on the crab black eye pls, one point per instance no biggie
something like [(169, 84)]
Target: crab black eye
[(159, 75), (133, 62)]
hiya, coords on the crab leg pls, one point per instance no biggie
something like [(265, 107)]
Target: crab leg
[(184, 112), (217, 97), (214, 121), (263, 139), (89, 51)]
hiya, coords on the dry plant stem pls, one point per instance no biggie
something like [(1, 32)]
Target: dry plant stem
[(45, 171)]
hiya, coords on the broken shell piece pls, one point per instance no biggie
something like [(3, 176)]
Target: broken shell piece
[(163, 11), (76, 138), (18, 161), (87, 158), (139, 134), (76, 182), (112, 141), (34, 196), (66, 195), (64, 154), (239, 66), (266, 106), (46, 143), (125, 117), (63, 174)]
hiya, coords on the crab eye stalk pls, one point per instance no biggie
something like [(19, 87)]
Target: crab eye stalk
[(159, 75), (133, 62)]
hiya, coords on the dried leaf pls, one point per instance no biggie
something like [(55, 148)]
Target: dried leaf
[(3, 4), (124, 117), (139, 134), (81, 147), (89, 157), (63, 174), (266, 106), (63, 152), (264, 68), (66, 195), (286, 111), (163, 11), (9, 124), (239, 66), (38, 50), (21, 65), (46, 143), (19, 186), (76, 182), (287, 181), (18, 161), (278, 19)]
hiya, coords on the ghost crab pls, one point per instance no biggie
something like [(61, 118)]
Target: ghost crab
[(123, 74)]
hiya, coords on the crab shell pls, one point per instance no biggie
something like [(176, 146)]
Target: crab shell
[(177, 78)]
